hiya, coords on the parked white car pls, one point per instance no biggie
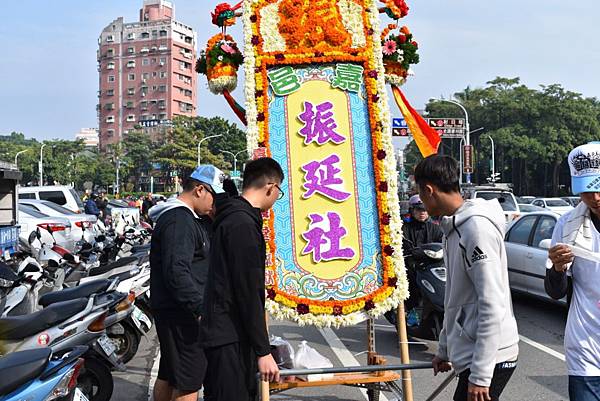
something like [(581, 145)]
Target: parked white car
[(60, 194), (526, 257), (82, 225), (507, 200), (556, 205), (30, 220)]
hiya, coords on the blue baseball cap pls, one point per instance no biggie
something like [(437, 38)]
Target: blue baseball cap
[(584, 163), (211, 176)]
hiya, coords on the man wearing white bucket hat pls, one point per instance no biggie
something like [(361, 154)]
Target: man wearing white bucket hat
[(574, 253)]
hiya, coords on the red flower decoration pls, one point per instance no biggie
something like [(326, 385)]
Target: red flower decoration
[(261, 144), (369, 305), (415, 44), (402, 39), (393, 281), (253, 18), (375, 98), (254, 40), (383, 186), (388, 250), (279, 56), (370, 31), (385, 219), (271, 293), (319, 54), (302, 309), (258, 93), (337, 310), (381, 154), (260, 116), (372, 74)]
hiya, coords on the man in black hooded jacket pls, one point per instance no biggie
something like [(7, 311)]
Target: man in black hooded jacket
[(234, 328)]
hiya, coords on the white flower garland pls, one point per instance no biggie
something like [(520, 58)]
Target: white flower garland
[(250, 84)]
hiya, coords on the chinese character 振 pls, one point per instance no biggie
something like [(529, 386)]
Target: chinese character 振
[(348, 77), (284, 81), (319, 125), (323, 240), (320, 176)]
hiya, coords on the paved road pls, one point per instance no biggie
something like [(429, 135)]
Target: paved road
[(540, 375)]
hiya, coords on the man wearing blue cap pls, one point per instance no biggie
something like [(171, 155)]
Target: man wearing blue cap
[(575, 233), (179, 257)]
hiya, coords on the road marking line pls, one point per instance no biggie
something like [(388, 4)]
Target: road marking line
[(153, 373), (344, 355), (542, 348)]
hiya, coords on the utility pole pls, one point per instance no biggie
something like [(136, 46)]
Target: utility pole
[(41, 165), (200, 143), (17, 156), (234, 155)]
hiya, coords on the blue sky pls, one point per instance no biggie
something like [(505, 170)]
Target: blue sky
[(49, 79)]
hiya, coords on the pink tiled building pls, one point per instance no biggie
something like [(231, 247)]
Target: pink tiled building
[(146, 71)]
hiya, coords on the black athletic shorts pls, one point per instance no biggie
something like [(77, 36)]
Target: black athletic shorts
[(502, 373), (182, 359), (232, 373)]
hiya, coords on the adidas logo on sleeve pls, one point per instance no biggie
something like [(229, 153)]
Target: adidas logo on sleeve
[(478, 255)]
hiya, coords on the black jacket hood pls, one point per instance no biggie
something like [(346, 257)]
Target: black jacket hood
[(237, 204)]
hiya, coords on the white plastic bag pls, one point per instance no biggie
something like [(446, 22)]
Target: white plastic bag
[(308, 358), (282, 352)]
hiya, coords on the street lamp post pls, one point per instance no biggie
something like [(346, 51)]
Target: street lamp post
[(41, 165), (467, 132), (493, 160), (17, 156), (234, 155), (202, 140)]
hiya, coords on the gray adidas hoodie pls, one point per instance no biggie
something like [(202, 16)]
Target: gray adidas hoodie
[(480, 329)]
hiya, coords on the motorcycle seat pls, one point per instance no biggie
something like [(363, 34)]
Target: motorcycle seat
[(20, 327), (96, 271), (140, 248), (20, 367), (81, 291)]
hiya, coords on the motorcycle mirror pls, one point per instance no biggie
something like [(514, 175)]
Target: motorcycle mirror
[(38, 233), (32, 237)]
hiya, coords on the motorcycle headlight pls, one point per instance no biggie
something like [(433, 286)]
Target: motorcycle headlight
[(439, 273), (434, 254)]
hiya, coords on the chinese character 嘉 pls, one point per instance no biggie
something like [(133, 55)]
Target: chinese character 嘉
[(348, 77), (319, 125), (320, 176), (284, 81), (323, 240)]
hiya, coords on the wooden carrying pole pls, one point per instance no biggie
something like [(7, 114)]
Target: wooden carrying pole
[(404, 357)]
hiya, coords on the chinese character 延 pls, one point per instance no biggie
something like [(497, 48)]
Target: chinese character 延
[(321, 177), (284, 81), (319, 124), (324, 239), (348, 77)]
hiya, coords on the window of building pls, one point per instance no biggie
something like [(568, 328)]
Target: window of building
[(145, 75), (110, 52), (131, 91), (131, 117), (144, 117), (131, 64), (162, 104), (145, 50), (109, 106), (154, 32), (153, 60), (131, 50), (143, 105), (163, 60), (145, 35), (110, 119), (130, 105), (188, 93), (110, 38), (145, 61), (162, 116), (162, 88), (110, 92), (163, 32), (162, 48), (154, 74), (111, 78), (163, 74), (110, 66), (153, 116), (131, 36), (131, 77), (110, 132), (188, 39), (154, 88)]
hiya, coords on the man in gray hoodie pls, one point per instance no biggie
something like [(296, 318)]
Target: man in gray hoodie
[(479, 337)]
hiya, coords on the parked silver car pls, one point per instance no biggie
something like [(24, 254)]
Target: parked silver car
[(82, 225), (30, 220), (526, 257)]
